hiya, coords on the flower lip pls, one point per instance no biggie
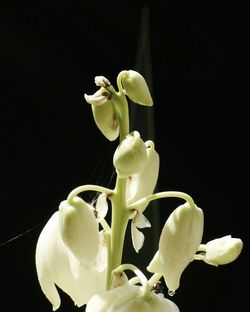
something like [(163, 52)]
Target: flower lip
[(99, 98)]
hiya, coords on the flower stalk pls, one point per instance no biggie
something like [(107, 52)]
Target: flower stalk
[(82, 254)]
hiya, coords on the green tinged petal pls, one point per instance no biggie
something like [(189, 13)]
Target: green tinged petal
[(136, 88), (106, 120)]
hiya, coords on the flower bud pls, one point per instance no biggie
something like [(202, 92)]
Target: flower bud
[(136, 87), (79, 230), (222, 250), (179, 241), (106, 120), (130, 156)]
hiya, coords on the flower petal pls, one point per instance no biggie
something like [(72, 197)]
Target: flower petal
[(44, 272), (99, 98), (106, 120), (79, 229), (137, 237), (155, 264), (143, 183), (102, 206), (56, 265), (129, 298), (102, 81), (179, 241), (141, 221)]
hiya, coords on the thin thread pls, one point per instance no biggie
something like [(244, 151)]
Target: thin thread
[(20, 235)]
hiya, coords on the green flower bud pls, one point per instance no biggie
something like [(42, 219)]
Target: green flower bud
[(130, 156), (136, 87), (221, 250)]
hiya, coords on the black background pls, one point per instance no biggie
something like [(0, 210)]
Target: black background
[(50, 53)]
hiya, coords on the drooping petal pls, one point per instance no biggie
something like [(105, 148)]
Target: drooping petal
[(79, 229), (106, 120), (138, 221), (99, 98), (101, 261), (143, 183), (179, 241), (56, 265), (155, 265), (43, 267), (137, 237), (102, 206), (141, 221), (130, 298)]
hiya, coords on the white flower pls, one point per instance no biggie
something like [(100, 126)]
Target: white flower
[(179, 241), (130, 298), (138, 186), (136, 87), (220, 251), (56, 265)]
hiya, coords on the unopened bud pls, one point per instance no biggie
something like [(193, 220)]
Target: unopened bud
[(136, 87), (223, 250), (130, 156)]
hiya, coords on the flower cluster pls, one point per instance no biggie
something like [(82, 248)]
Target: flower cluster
[(81, 253)]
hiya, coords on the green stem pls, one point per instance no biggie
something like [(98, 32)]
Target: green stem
[(141, 277), (121, 107), (120, 213), (155, 278), (127, 266), (145, 200), (120, 217), (89, 187)]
